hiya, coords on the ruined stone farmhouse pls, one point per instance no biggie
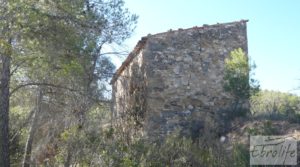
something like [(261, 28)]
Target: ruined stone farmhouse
[(174, 79)]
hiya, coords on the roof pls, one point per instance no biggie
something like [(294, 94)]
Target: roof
[(140, 45), (130, 57)]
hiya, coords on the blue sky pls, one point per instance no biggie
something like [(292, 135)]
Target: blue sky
[(273, 31)]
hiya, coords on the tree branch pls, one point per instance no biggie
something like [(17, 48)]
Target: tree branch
[(18, 65), (115, 53), (60, 87), (22, 126), (42, 84)]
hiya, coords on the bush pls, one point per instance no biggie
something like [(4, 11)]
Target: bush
[(266, 129), (175, 151), (274, 105)]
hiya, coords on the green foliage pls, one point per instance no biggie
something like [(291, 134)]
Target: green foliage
[(238, 82), (266, 129), (5, 48), (241, 156), (58, 47), (276, 105), (174, 150), (20, 113), (237, 75)]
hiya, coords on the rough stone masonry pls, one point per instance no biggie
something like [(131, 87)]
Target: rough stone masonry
[(174, 80)]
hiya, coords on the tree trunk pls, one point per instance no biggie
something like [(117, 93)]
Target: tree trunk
[(32, 130), (5, 53), (4, 110)]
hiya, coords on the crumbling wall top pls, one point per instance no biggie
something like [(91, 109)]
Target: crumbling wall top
[(140, 45)]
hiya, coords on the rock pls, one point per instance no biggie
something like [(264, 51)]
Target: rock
[(222, 139), (179, 58), (188, 59), (190, 107), (176, 70)]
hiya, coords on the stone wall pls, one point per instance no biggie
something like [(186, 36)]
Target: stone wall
[(180, 74), (128, 93)]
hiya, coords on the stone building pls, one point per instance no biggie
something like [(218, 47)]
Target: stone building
[(175, 79)]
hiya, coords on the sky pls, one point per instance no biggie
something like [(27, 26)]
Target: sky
[(273, 31)]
